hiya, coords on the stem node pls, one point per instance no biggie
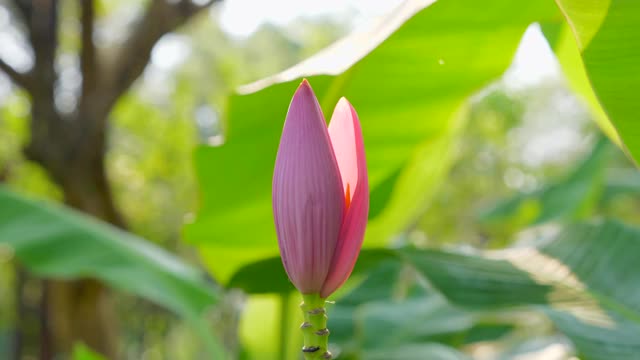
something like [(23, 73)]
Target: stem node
[(314, 328)]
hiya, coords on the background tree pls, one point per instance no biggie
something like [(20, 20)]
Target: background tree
[(71, 145)]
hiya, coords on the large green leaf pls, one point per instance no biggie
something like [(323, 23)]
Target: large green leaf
[(567, 52), (607, 34), (408, 81), (584, 279), (54, 241)]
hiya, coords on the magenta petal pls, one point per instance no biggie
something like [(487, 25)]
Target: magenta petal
[(308, 201), (346, 137)]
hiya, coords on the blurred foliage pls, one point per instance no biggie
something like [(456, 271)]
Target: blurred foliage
[(460, 158), (505, 149), (393, 309), (50, 240)]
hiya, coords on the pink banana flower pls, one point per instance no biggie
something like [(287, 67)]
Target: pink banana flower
[(320, 193)]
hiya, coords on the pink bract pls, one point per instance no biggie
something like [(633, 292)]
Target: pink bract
[(320, 193)]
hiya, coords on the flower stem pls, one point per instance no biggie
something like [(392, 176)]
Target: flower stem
[(314, 328), (285, 301)]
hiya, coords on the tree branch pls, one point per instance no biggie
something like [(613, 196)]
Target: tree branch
[(46, 122), (43, 31), (88, 51), (114, 78), (160, 18), (24, 7), (20, 79)]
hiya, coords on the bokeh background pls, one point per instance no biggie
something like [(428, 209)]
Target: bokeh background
[(484, 142)]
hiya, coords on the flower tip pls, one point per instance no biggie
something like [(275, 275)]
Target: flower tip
[(304, 88), (304, 84), (345, 104)]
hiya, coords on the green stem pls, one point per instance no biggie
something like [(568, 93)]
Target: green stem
[(314, 328), (285, 304)]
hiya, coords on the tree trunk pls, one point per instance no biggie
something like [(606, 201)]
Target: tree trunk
[(81, 310)]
